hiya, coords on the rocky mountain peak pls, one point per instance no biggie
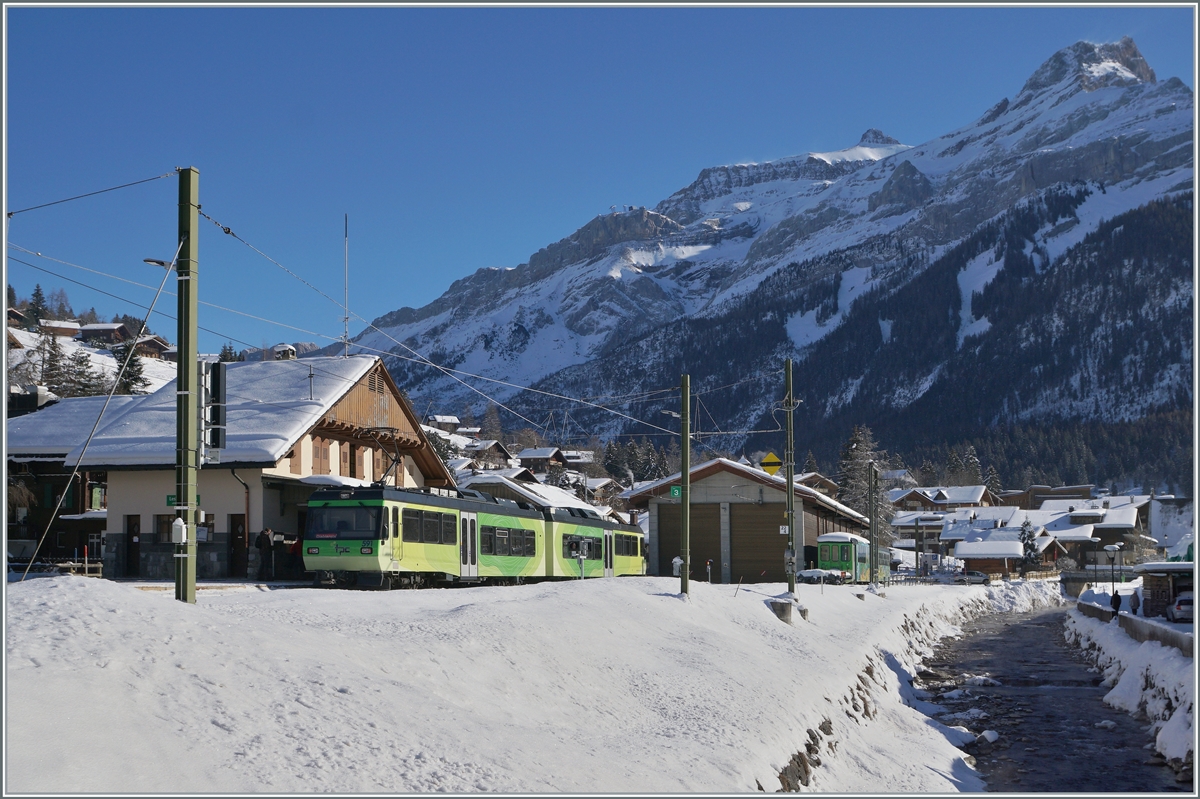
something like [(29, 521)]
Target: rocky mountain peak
[(875, 137), (1093, 66)]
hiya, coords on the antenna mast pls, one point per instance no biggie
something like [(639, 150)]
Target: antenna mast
[(346, 318)]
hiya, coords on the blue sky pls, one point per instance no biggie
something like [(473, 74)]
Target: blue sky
[(455, 138)]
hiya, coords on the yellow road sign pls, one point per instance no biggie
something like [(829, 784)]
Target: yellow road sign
[(771, 463)]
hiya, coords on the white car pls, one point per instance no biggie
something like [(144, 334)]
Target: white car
[(1181, 608), (968, 578)]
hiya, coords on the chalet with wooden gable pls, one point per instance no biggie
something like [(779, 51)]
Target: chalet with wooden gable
[(292, 427), (442, 422), (109, 333), (16, 318), (736, 514), (539, 460), (152, 346), (487, 451), (1000, 551), (62, 328)]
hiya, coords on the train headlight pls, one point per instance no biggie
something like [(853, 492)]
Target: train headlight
[(314, 550), (366, 550)]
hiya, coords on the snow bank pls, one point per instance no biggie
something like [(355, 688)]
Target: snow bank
[(1146, 678), (584, 686)]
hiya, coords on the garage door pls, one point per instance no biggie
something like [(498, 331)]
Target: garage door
[(705, 535), (755, 544)]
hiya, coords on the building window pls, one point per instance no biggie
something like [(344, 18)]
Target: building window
[(162, 527)]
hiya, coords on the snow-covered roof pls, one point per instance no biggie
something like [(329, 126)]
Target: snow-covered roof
[(438, 419), (1110, 502), (833, 538), (59, 428), (778, 481), (268, 409), (54, 323), (930, 519), (942, 495), (989, 549), (537, 493), (541, 452)]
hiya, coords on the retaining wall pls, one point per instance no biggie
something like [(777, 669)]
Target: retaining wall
[(1144, 630)]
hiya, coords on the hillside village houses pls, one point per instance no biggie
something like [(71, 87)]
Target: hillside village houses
[(967, 523), (292, 426)]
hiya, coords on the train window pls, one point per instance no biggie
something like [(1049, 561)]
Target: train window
[(530, 544), (597, 550), (862, 557), (845, 558), (824, 552), (501, 541), (431, 527), (570, 546), (487, 540), (395, 520), (449, 529), (383, 528), (412, 525)]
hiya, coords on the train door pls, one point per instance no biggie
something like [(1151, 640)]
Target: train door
[(608, 553), (468, 559)]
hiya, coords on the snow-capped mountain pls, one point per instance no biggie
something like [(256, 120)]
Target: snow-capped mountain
[(753, 263)]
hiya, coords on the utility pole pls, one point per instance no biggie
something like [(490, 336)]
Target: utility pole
[(873, 550), (346, 318), (187, 394), (789, 471), (685, 484)]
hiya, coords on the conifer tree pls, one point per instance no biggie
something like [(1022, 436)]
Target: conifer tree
[(972, 468), (36, 309), (954, 469), (491, 428), (810, 464), (12, 296), (134, 380), (928, 474), (81, 379), (49, 362), (859, 451), (227, 354), (992, 480)]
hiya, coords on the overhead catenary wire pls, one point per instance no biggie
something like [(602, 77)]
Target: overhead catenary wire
[(421, 358), (174, 171), (129, 356)]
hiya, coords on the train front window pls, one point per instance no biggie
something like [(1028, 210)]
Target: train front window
[(343, 522)]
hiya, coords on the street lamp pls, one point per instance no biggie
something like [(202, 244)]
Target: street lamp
[(1094, 542), (1110, 551)]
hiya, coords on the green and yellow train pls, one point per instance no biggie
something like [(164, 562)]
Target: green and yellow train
[(387, 537)]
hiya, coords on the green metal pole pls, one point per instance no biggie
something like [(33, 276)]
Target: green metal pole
[(685, 484), (187, 453), (872, 550), (789, 471)]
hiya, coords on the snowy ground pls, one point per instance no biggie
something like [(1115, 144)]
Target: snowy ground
[(1147, 678), (598, 686)]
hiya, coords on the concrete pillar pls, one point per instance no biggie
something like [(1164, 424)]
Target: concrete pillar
[(652, 539)]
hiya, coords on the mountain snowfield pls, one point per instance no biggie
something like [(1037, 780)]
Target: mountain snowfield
[(605, 310)]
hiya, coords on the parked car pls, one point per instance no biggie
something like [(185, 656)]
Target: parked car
[(969, 578), (1181, 608)]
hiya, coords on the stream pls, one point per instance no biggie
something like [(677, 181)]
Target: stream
[(1055, 732)]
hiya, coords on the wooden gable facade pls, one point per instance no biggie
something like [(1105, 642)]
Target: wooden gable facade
[(362, 433)]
